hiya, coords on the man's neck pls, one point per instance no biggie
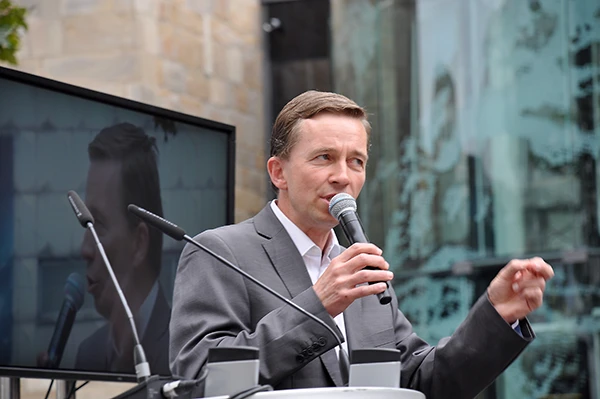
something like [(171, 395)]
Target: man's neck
[(320, 236)]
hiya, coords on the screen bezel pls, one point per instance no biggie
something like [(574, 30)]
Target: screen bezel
[(108, 99)]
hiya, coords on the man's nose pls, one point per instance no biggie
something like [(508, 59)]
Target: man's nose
[(88, 249), (339, 174)]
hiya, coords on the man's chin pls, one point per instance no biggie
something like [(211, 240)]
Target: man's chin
[(104, 309)]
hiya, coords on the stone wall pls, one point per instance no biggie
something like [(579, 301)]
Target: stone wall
[(200, 57)]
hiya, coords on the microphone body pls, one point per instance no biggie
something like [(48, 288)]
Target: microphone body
[(343, 207), (73, 301)]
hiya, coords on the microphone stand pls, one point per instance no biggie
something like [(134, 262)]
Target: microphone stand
[(149, 386), (142, 368), (83, 214)]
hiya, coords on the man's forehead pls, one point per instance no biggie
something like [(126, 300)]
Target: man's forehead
[(326, 120), (311, 129)]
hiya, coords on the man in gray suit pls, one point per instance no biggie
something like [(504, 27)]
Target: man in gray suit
[(319, 147)]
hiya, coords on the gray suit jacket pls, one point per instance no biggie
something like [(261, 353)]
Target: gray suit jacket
[(215, 306)]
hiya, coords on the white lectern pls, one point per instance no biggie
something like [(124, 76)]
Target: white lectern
[(338, 393)]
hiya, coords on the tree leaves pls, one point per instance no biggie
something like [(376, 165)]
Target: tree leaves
[(12, 23)]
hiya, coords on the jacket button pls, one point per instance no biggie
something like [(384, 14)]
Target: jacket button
[(299, 358), (322, 341)]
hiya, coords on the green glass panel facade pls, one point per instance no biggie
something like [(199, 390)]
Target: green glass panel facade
[(485, 147)]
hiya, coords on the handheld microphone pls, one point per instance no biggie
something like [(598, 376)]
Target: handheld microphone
[(142, 368), (64, 323), (177, 233), (343, 207)]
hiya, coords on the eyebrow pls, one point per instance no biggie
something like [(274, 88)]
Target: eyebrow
[(359, 154)]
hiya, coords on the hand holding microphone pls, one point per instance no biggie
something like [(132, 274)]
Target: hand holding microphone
[(344, 279), (343, 207), (177, 233)]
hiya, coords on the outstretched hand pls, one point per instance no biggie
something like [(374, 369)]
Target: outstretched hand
[(518, 289)]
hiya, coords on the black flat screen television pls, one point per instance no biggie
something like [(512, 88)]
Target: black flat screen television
[(56, 137)]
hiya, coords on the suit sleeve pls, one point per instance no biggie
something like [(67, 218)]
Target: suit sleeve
[(464, 364), (211, 307)]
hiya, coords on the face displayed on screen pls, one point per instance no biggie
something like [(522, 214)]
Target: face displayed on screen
[(37, 260), (103, 198)]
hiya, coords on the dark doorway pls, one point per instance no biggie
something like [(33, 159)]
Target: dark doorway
[(298, 48)]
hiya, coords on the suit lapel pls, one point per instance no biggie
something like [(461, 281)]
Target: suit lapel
[(282, 252), (288, 263), (290, 267)]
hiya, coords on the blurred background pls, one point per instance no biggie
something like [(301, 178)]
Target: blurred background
[(486, 138)]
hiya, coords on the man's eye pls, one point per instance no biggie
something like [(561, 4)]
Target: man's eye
[(359, 162), (323, 156)]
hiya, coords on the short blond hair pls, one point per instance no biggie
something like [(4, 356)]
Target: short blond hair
[(305, 106)]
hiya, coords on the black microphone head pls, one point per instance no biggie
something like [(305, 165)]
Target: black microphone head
[(341, 203), (74, 291), (170, 229), (81, 211)]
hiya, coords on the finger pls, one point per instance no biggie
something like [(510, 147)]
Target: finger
[(512, 268), (370, 276), (361, 261), (534, 297), (533, 282), (539, 266), (518, 276), (340, 267), (366, 290), (359, 248)]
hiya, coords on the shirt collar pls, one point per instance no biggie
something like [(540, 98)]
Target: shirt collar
[(301, 240)]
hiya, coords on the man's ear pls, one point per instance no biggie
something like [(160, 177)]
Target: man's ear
[(275, 169), (142, 244)]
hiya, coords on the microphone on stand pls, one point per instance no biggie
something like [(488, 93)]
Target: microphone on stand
[(66, 317), (149, 387), (142, 368), (177, 233), (343, 207)]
